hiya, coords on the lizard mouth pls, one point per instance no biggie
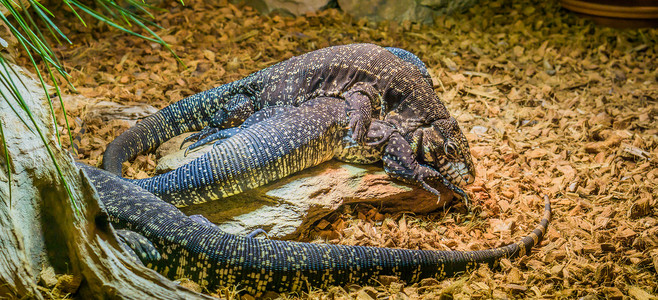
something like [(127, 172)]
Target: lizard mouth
[(457, 173), (454, 176)]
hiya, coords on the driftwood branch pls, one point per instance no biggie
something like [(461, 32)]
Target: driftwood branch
[(41, 225)]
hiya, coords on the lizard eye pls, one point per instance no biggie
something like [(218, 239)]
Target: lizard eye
[(450, 150)]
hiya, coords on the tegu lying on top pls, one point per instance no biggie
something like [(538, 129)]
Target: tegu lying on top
[(382, 107)]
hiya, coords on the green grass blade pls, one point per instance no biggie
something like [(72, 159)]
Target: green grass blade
[(5, 81), (43, 83), (28, 112), (38, 37), (51, 26), (61, 104), (75, 12), (125, 12), (28, 45), (4, 145), (43, 8), (142, 6), (24, 28), (107, 9), (110, 22), (42, 53)]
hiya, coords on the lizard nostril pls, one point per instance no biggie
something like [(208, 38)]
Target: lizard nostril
[(469, 179)]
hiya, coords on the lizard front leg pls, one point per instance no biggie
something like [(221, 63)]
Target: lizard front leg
[(400, 161), (361, 100)]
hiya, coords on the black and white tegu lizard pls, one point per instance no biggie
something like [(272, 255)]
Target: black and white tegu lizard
[(178, 246), (389, 112)]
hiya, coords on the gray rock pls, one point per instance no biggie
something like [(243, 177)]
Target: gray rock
[(106, 110), (289, 207), (170, 156), (420, 11), (287, 7)]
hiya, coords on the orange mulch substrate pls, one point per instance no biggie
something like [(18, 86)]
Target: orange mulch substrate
[(550, 103)]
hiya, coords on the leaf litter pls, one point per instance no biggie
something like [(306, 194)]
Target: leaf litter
[(550, 103)]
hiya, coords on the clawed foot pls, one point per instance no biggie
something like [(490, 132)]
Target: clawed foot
[(378, 133), (208, 135), (458, 191), (359, 126), (199, 136), (400, 162), (427, 173)]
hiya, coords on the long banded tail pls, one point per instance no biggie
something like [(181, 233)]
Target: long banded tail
[(323, 265), (520, 248), (259, 265), (204, 253)]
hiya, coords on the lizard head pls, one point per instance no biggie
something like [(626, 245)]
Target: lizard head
[(442, 146)]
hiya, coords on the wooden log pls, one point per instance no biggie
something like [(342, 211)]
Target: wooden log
[(43, 227)]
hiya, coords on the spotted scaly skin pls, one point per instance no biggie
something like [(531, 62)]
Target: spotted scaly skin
[(387, 99), (273, 143), (319, 73), (180, 247)]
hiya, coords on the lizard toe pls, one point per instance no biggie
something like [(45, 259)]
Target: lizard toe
[(201, 135), (217, 135)]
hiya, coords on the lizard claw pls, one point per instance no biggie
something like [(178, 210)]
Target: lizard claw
[(198, 136), (429, 173), (461, 193), (198, 144), (457, 191), (214, 134), (359, 128), (432, 190)]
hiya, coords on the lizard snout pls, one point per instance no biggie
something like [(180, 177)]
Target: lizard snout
[(468, 178)]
